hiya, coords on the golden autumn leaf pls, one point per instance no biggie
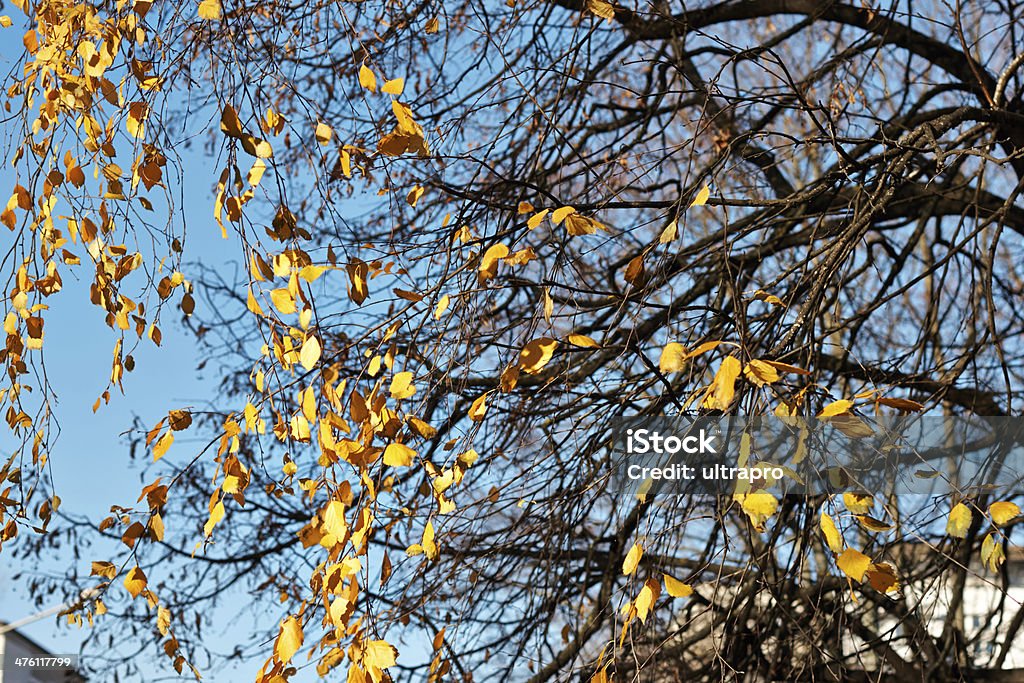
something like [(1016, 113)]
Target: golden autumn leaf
[(289, 640), (992, 553), (669, 234), (959, 521), (632, 559), (432, 25), (723, 388), (677, 588), (760, 373), (420, 428), (577, 225), (161, 445), (310, 352), (430, 548), (853, 563), (601, 8), (759, 506), (489, 261), (367, 79), (442, 306), (858, 503), (216, 515), (583, 341), (833, 539), (872, 524), (402, 386), (673, 358), (135, 582), (334, 519), (479, 408), (645, 600), (536, 219), (323, 133), (105, 569), (836, 408), (536, 354), (378, 655), (1002, 512), (560, 214), (398, 455), (210, 10), (702, 197), (394, 87)]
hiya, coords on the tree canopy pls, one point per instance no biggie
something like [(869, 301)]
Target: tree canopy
[(470, 237)]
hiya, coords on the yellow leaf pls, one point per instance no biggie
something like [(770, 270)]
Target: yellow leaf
[(367, 79), (310, 352), (216, 515), (759, 506), (723, 389), (394, 87), (432, 25), (583, 341), (601, 8), (702, 349), (402, 386), (536, 354), (524, 207), (489, 262), (992, 553), (105, 569), (959, 521), (430, 548), (676, 588), (836, 408), (163, 620), (289, 640), (478, 409), (421, 428), (442, 306), (560, 214), (648, 594), (853, 563), (629, 564), (702, 197), (135, 582), (858, 503), (334, 520), (398, 455), (830, 531), (669, 233), (283, 301), (760, 373), (577, 225), (5, 21), (162, 444), (673, 358), (537, 218), (324, 133), (1002, 512), (872, 524), (378, 655), (209, 10)]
